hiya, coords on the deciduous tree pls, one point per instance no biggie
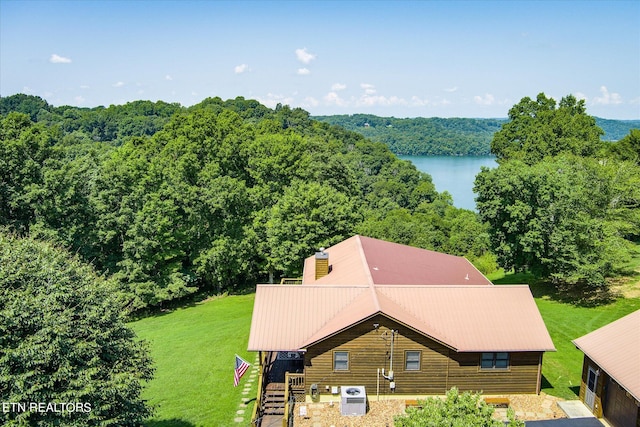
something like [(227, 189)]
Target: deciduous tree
[(563, 219), (539, 128), (63, 340)]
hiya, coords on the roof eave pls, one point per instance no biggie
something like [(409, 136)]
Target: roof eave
[(637, 398)]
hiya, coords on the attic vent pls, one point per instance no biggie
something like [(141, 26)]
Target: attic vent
[(322, 263)]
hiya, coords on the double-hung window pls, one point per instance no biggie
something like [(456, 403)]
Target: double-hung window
[(412, 360), (494, 361), (340, 360)]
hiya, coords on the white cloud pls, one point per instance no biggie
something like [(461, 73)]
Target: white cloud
[(373, 100), (369, 89), (79, 99), (304, 56), (168, 77), (416, 101), (303, 72), (310, 101), (369, 98), (27, 89), (487, 99), (580, 96), (118, 84), (338, 86), (274, 99), (452, 89), (419, 102), (332, 98), (57, 59), (607, 98), (239, 69)]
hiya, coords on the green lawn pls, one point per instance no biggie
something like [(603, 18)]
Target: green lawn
[(561, 370), (565, 322), (193, 349)]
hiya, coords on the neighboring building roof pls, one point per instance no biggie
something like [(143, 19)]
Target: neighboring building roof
[(615, 348), (363, 260), (464, 318)]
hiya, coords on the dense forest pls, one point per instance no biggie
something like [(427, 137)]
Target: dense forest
[(111, 212), (168, 201), (445, 137), (562, 204)]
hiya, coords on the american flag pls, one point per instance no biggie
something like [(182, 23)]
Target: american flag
[(241, 367)]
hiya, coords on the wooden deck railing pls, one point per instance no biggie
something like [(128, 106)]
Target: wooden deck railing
[(264, 356), (296, 382), (294, 387), (290, 281)]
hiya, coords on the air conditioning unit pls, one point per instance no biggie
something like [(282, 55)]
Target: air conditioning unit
[(353, 400)]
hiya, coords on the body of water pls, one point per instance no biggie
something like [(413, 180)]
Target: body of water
[(454, 174)]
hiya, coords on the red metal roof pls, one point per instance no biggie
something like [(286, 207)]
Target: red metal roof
[(465, 318), (441, 296), (364, 260), (615, 348)]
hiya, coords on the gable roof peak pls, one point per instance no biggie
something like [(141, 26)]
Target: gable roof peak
[(365, 260)]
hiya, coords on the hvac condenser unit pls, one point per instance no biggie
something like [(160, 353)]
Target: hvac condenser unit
[(354, 400)]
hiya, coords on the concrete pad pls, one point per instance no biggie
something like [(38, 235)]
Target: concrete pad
[(575, 409)]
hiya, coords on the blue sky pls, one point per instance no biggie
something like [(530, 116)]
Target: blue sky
[(390, 58)]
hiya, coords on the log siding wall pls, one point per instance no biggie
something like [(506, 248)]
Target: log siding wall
[(600, 398), (440, 367), (601, 381)]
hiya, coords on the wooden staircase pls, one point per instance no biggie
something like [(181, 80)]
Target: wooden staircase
[(273, 405)]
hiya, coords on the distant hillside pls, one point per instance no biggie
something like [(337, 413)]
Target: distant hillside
[(423, 136), (615, 130), (445, 137)]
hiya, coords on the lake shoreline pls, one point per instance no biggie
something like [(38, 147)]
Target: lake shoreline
[(454, 174)]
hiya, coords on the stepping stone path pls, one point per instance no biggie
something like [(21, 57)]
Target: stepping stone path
[(247, 389)]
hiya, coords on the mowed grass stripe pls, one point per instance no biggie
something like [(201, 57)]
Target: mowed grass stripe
[(193, 349), (565, 322)]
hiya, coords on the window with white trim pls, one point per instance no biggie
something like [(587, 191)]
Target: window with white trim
[(494, 361), (340, 360)]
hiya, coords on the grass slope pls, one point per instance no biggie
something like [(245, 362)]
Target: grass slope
[(562, 369), (193, 349)]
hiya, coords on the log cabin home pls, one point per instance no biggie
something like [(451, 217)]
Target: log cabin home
[(610, 385), (396, 321)]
